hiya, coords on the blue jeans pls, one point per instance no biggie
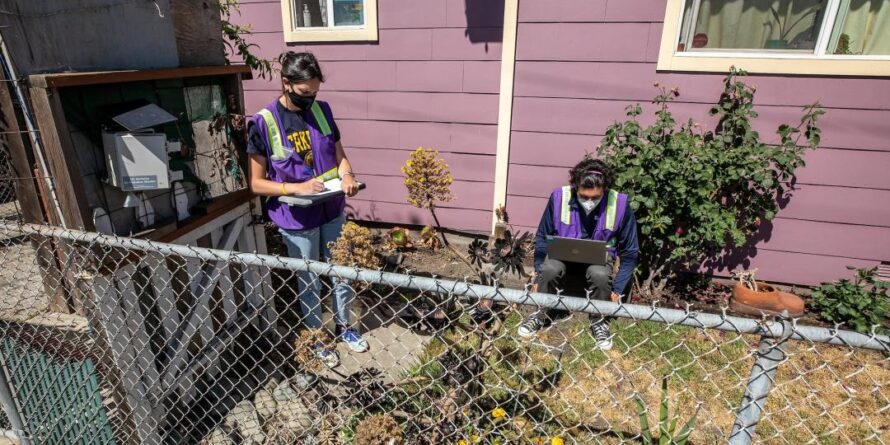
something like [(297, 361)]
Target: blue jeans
[(313, 245)]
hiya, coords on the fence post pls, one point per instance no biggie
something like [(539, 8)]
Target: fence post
[(10, 407), (769, 355)]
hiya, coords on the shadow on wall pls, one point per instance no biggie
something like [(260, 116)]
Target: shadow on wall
[(371, 214), (485, 21), (740, 257)]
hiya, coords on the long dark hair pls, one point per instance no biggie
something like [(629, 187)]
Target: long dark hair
[(591, 173), (300, 67)]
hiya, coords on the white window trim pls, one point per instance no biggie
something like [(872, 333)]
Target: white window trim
[(366, 33), (763, 61)]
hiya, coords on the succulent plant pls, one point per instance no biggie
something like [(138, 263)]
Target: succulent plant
[(509, 253), (429, 237), (478, 252)]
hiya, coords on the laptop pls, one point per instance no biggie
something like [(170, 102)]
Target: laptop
[(575, 250)]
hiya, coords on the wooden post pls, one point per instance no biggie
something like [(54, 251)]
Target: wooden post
[(62, 159), (21, 160)]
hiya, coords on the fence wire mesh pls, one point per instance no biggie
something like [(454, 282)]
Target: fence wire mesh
[(182, 344)]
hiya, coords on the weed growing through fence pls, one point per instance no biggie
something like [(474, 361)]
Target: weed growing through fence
[(667, 426)]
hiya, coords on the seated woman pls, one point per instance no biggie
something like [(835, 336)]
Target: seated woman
[(588, 208)]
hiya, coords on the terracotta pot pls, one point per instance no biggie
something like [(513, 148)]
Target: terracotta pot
[(766, 301)]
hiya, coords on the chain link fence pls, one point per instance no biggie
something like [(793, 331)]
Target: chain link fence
[(187, 345)]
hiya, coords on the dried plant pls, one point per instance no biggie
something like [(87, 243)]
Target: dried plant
[(746, 278), (379, 429), (427, 178), (429, 238), (304, 349), (501, 214), (354, 248)]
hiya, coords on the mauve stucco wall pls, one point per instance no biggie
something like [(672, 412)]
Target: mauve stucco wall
[(432, 80), (581, 62)]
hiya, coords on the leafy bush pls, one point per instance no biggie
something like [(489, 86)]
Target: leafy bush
[(695, 192), (860, 304)]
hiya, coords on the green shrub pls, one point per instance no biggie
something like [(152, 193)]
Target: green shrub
[(697, 192), (859, 304)]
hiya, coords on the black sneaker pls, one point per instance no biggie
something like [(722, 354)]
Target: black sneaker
[(481, 315), (530, 326), (600, 332)]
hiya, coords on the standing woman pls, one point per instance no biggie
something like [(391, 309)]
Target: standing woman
[(291, 142)]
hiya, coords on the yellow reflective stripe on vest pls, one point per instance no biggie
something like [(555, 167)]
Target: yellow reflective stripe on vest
[(321, 119), (611, 210), (333, 173), (565, 214), (273, 136)]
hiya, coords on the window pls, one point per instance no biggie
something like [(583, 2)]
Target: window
[(329, 20), (778, 36)]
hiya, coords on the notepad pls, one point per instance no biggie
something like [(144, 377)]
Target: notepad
[(333, 188)]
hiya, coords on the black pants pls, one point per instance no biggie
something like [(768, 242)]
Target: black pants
[(556, 274)]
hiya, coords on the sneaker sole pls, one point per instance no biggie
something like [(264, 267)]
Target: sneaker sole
[(527, 335), (359, 349)]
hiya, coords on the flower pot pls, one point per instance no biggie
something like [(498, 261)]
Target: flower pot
[(776, 44), (765, 301)]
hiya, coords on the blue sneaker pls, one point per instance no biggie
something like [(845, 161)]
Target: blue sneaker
[(327, 356), (353, 339)]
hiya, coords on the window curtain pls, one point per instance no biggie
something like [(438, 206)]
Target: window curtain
[(862, 27), (753, 24)]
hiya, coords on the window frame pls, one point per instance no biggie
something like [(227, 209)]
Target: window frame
[(365, 33), (764, 61)]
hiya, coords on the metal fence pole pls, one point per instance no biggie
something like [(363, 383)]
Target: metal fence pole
[(769, 355), (10, 407)]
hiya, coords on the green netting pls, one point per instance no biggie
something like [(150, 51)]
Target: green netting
[(59, 397)]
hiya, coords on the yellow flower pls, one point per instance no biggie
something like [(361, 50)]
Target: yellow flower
[(475, 438), (556, 441), (497, 413), (462, 442)]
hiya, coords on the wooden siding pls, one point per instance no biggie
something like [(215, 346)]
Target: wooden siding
[(581, 62), (431, 80)]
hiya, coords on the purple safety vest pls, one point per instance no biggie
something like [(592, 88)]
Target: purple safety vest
[(292, 169), (567, 218)]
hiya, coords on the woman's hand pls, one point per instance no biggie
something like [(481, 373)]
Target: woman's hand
[(309, 187), (349, 186)]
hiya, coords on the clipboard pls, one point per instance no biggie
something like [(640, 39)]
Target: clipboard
[(314, 199)]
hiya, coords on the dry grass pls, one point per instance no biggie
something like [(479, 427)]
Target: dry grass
[(823, 394)]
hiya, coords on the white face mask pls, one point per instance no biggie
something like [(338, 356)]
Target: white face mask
[(588, 204)]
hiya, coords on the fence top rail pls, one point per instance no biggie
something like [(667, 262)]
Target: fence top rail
[(775, 328)]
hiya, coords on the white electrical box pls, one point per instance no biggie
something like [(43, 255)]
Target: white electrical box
[(136, 161)]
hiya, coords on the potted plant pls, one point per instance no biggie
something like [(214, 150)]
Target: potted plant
[(784, 28), (757, 298)]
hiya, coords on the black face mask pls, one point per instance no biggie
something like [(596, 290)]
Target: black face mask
[(304, 102)]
